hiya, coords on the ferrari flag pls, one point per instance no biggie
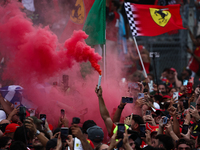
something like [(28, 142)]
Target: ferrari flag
[(153, 20)]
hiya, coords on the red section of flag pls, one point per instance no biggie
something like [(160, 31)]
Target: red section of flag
[(73, 25), (154, 20)]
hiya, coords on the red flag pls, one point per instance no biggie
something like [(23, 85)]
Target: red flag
[(152, 20), (78, 15)]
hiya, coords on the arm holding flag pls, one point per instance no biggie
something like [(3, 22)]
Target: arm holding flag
[(192, 37)]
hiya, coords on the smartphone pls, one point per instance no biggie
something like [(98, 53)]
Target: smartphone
[(62, 111), (185, 104), (185, 129), (127, 100), (43, 118), (192, 104), (185, 82), (76, 120), (165, 120), (120, 131), (16, 104), (148, 112), (175, 95), (22, 113), (64, 133), (140, 95), (142, 130)]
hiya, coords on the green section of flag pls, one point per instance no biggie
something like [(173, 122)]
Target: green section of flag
[(95, 24)]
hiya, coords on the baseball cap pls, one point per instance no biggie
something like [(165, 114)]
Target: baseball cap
[(154, 130), (141, 47), (11, 128), (95, 133), (166, 97), (2, 115), (172, 69)]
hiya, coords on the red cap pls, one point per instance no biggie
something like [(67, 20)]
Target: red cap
[(141, 47), (152, 128), (172, 69), (166, 96), (11, 128)]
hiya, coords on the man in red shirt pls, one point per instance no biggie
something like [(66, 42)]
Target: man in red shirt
[(194, 61)]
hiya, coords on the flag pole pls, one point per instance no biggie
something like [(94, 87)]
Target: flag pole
[(145, 73), (104, 62)]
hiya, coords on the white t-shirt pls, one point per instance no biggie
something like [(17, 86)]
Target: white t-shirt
[(2, 115)]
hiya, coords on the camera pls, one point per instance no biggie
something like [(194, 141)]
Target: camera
[(76, 120), (22, 113)]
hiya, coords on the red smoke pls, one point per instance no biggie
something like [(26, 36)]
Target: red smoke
[(78, 50), (36, 53)]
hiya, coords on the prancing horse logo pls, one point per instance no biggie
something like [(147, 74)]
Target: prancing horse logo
[(78, 12), (160, 16)]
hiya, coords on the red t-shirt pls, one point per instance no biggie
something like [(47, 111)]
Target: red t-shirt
[(193, 63)]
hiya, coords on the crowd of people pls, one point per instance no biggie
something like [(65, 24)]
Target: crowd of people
[(166, 110), (166, 117)]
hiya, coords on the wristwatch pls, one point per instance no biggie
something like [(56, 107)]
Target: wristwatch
[(37, 133)]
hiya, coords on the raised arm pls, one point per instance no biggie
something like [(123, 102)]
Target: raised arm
[(192, 37), (172, 112), (177, 81), (117, 115), (104, 111), (32, 127)]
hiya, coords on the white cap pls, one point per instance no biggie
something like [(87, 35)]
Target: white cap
[(156, 105), (2, 115)]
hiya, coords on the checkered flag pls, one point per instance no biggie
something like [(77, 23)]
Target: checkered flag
[(130, 18)]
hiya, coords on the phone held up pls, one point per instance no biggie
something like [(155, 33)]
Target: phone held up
[(43, 118), (22, 113), (62, 111), (120, 130), (127, 100), (64, 133), (75, 120)]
